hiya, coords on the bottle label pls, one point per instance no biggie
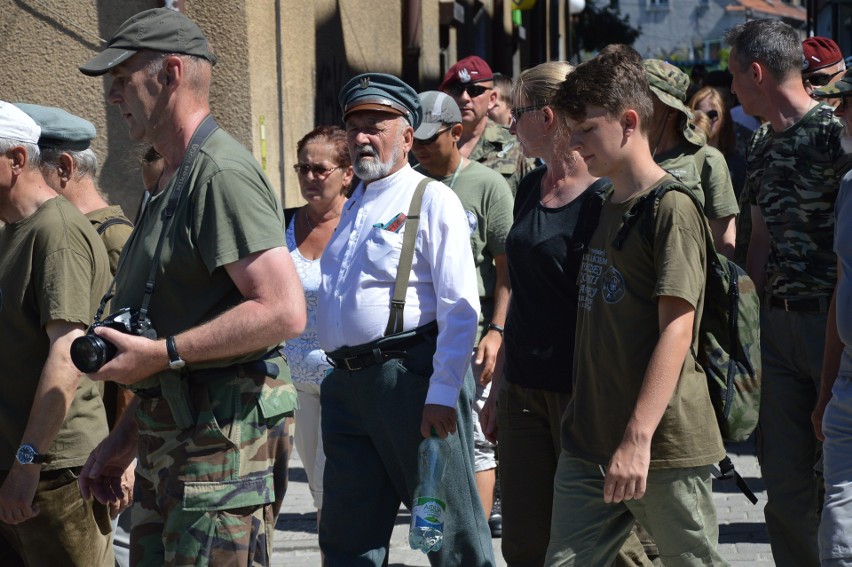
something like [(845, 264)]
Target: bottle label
[(428, 513)]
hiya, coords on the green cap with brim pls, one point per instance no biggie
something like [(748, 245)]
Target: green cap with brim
[(381, 92), (160, 29), (841, 88), (60, 129), (670, 85)]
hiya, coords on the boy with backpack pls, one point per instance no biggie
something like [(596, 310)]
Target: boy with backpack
[(640, 433)]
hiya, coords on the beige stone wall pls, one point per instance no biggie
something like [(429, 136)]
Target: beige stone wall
[(280, 61)]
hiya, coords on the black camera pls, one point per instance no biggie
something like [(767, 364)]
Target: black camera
[(90, 352)]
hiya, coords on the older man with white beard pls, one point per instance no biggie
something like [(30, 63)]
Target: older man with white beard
[(398, 377), (832, 416)]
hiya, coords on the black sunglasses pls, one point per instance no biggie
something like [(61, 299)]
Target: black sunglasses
[(518, 112), (430, 141), (473, 91), (821, 79), (319, 171)]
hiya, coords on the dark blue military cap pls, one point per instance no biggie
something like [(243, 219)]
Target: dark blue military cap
[(383, 93), (60, 130)]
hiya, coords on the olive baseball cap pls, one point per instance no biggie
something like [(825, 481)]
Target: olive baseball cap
[(159, 29), (60, 129), (383, 93), (439, 109), (841, 88), (670, 84)]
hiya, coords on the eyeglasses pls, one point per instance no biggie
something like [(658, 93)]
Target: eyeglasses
[(473, 91), (433, 139), (713, 115), (821, 79), (518, 112), (319, 171)]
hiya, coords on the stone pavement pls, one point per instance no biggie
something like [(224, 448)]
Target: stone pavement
[(742, 532)]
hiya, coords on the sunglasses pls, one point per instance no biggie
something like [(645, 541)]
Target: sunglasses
[(821, 79), (319, 171), (713, 115), (518, 112), (473, 91), (433, 139)]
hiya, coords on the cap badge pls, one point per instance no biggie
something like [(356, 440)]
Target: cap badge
[(464, 75), (365, 82)]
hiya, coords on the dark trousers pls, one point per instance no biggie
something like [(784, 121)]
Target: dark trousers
[(371, 433)]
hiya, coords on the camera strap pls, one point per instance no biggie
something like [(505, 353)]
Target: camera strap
[(199, 137)]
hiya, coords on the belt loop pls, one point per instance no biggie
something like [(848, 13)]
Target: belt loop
[(377, 355), (786, 304)]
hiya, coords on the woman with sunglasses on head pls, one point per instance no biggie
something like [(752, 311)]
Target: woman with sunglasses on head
[(325, 175), (709, 103), (539, 334)]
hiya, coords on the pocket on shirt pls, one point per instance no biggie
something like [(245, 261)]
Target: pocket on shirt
[(382, 250)]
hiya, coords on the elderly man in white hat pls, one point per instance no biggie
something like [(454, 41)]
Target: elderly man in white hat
[(53, 273)]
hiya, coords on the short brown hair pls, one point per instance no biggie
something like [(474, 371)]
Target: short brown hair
[(614, 80)]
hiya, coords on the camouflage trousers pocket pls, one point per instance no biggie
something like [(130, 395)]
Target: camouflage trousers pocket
[(252, 491), (277, 399), (238, 536)]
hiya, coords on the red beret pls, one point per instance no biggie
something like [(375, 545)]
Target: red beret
[(471, 69), (820, 52)]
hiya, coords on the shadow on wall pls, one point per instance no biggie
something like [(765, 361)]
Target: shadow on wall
[(332, 68)]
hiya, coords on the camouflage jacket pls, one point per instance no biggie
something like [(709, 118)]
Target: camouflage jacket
[(793, 177), (501, 151)]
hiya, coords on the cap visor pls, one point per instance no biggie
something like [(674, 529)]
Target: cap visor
[(372, 106), (101, 63), (427, 130)]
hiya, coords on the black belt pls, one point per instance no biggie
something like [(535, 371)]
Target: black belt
[(253, 368), (359, 359), (801, 305)]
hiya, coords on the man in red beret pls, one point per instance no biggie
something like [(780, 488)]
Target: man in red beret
[(823, 65)]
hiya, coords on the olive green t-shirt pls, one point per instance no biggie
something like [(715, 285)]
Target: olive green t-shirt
[(54, 268), (488, 203), (227, 211), (712, 185), (618, 329), (115, 235)]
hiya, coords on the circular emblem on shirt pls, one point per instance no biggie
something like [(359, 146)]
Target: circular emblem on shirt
[(612, 285), (472, 221)]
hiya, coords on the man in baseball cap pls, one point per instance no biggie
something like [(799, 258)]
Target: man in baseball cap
[(53, 273), (823, 63), (680, 148), (399, 376), (471, 84)]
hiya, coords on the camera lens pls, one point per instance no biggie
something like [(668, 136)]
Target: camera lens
[(89, 353)]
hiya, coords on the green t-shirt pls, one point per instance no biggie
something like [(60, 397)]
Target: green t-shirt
[(227, 211), (54, 268), (712, 185), (113, 236), (487, 203), (499, 150), (617, 331)]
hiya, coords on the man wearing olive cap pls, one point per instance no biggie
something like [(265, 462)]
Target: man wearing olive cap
[(212, 393), (53, 272), (402, 370), (831, 416), (794, 165), (682, 150)]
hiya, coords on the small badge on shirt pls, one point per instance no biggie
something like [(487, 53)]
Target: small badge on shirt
[(394, 224)]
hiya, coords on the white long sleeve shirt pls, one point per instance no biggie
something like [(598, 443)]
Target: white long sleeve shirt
[(359, 268)]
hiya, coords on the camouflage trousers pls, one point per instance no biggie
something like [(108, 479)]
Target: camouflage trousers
[(204, 494)]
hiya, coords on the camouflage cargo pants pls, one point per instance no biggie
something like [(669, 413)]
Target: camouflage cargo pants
[(204, 495)]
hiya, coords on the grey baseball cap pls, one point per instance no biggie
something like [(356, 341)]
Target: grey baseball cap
[(438, 109)]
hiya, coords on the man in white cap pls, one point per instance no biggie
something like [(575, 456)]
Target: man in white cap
[(53, 273)]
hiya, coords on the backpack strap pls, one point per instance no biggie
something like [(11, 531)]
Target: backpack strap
[(288, 215), (403, 272), (590, 215), (101, 228)]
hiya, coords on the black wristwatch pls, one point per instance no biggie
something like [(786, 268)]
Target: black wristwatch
[(27, 455), (495, 327), (175, 361)]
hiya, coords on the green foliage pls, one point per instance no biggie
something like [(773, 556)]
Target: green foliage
[(601, 26)]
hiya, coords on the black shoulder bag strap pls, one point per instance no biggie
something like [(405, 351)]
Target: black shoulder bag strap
[(202, 133), (409, 239), (101, 228)]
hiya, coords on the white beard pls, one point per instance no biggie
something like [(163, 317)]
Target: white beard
[(374, 168)]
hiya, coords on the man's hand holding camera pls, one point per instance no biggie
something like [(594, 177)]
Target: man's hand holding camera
[(136, 357)]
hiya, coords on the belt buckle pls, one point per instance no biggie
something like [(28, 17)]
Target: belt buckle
[(348, 364)]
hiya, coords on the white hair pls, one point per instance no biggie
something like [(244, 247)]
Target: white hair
[(33, 154)]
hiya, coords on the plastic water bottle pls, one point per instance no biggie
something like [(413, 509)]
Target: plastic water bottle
[(427, 511)]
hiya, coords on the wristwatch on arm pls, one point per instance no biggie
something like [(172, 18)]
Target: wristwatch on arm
[(175, 361), (28, 455)]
